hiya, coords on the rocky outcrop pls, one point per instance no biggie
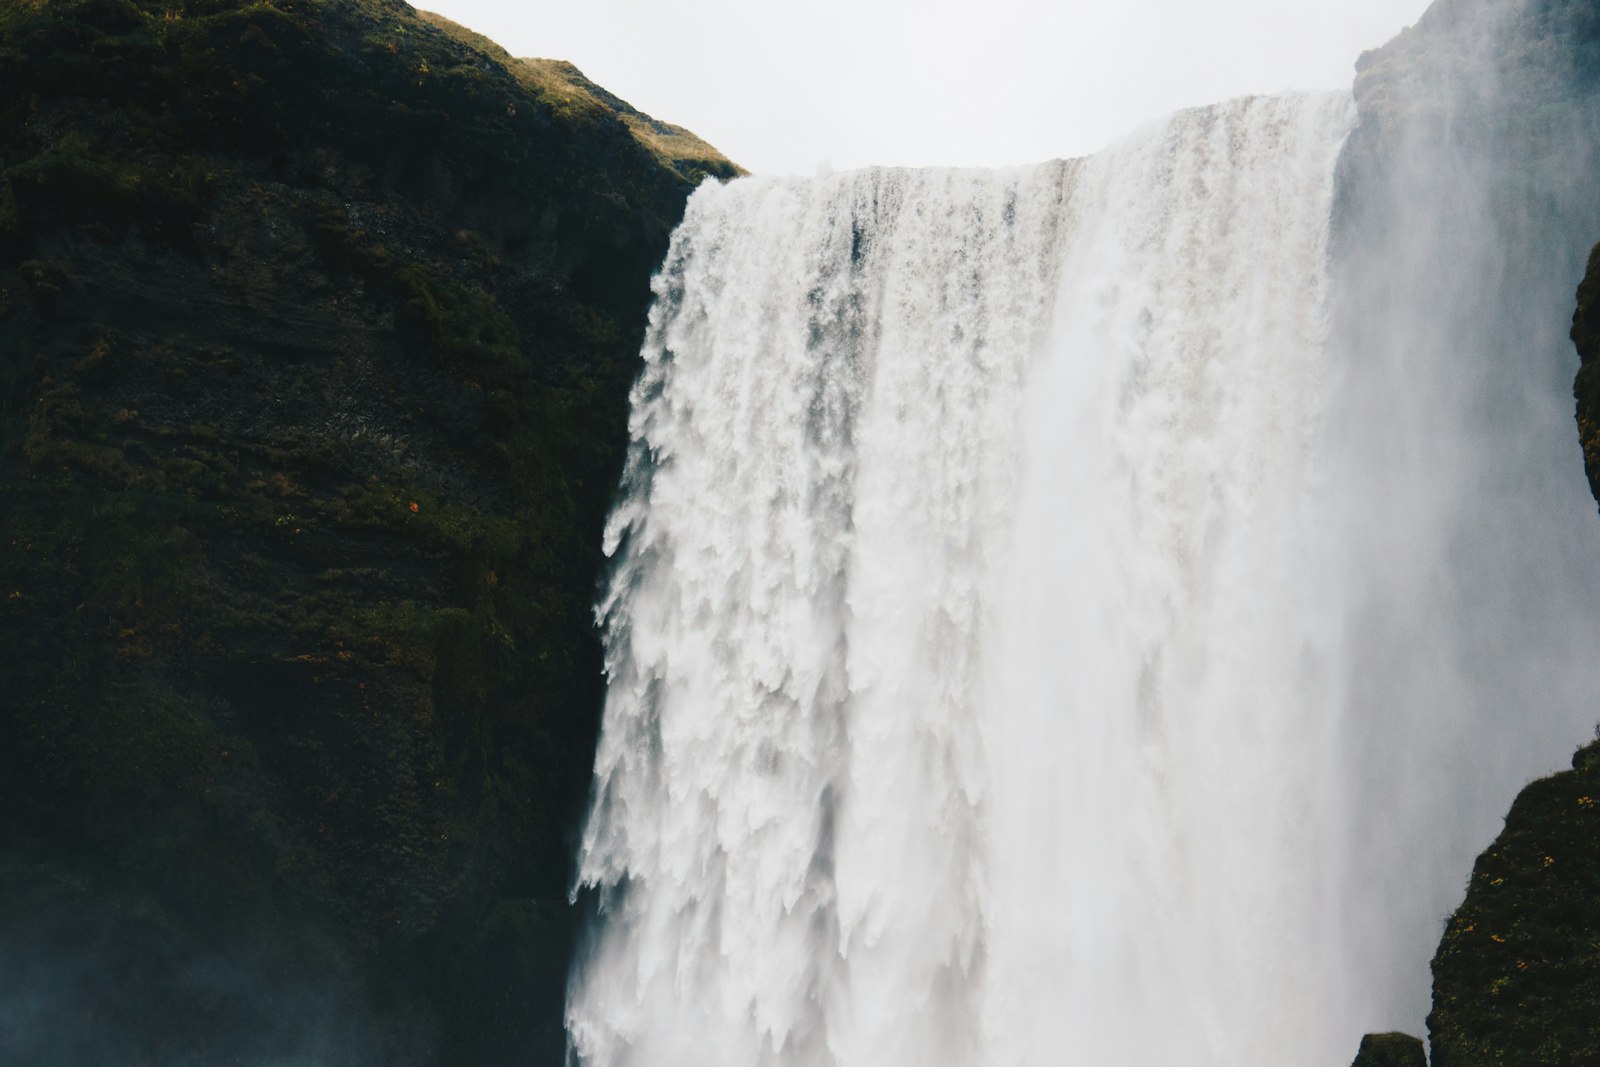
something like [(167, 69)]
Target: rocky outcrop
[(1480, 101), (1517, 976), (1586, 386), (1391, 1050), (317, 320)]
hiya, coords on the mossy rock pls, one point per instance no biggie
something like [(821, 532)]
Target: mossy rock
[(317, 324), (1516, 979)]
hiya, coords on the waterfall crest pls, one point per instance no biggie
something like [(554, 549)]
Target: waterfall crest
[(966, 687)]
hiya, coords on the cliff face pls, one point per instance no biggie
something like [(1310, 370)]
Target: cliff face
[(1468, 118), (317, 319), (1517, 975), (1586, 386)]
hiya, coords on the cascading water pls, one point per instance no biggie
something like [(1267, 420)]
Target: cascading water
[(969, 693)]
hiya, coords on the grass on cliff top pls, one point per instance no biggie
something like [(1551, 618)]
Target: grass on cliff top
[(266, 75), (564, 84)]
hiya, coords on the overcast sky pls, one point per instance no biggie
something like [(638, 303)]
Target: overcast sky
[(790, 87)]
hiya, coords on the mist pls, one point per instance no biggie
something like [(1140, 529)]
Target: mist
[(111, 983), (1466, 535)]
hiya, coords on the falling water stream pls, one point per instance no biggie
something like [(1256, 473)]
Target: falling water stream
[(977, 641)]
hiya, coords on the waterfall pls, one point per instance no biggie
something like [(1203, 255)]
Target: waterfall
[(969, 690)]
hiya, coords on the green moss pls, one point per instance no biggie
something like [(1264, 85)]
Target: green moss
[(69, 184), (455, 321), (459, 323)]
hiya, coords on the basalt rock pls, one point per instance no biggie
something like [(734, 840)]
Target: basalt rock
[(1586, 386), (1517, 975)]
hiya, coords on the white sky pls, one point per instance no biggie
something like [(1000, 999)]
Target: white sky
[(789, 87)]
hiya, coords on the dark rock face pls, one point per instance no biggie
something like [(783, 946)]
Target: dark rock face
[(1391, 1050), (1586, 386), (317, 321), (1517, 976)]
